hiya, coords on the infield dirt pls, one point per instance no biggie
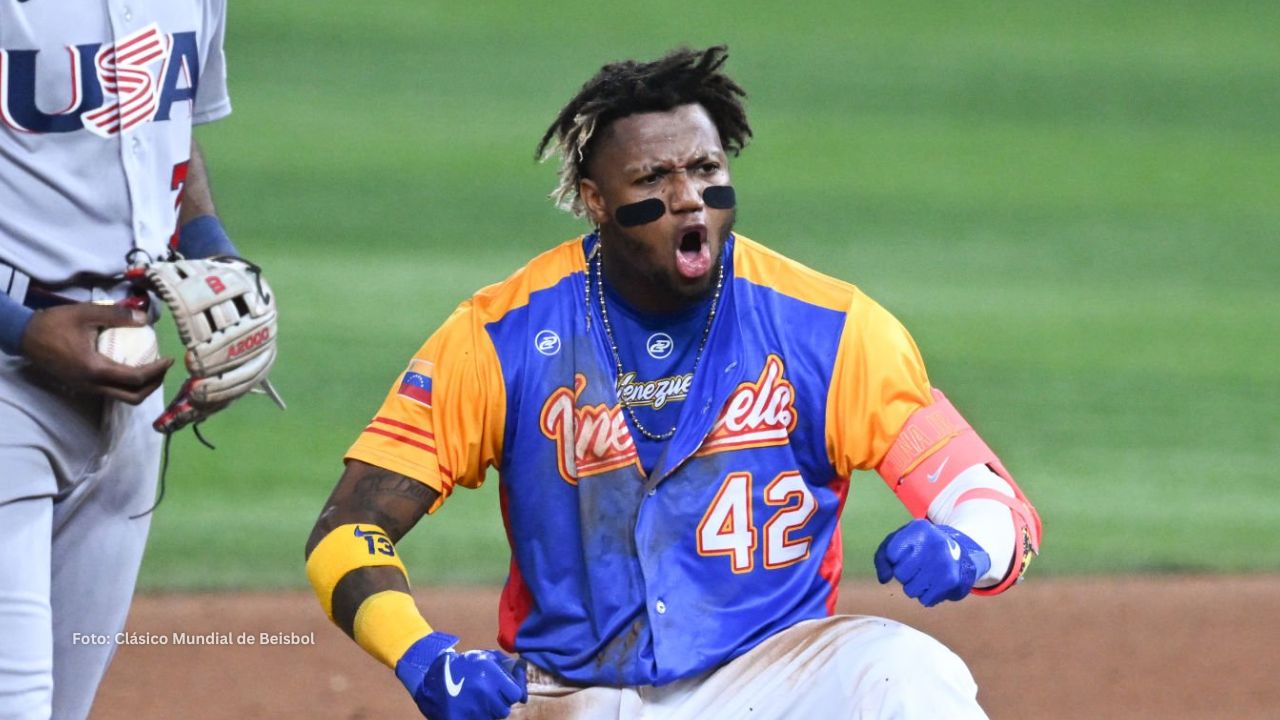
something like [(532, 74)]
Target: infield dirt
[(1149, 647)]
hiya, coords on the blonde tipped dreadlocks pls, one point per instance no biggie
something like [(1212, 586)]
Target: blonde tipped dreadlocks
[(625, 88)]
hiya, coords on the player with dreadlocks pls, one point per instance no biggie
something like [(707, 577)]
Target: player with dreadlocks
[(627, 88), (674, 412)]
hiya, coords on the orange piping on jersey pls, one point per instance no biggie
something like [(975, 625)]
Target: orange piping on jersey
[(489, 366), (404, 426), (877, 382), (417, 431), (878, 378), (447, 477), (542, 272), (468, 434), (760, 265), (401, 438)]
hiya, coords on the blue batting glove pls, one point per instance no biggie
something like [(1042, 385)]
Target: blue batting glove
[(447, 685), (933, 562)]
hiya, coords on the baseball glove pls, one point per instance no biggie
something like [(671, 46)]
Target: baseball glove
[(226, 317)]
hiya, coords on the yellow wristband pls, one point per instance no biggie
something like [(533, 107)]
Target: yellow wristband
[(387, 624), (347, 548)]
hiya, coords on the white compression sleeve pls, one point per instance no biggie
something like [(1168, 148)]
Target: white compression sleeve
[(988, 522)]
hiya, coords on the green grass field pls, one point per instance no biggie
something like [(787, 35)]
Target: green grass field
[(1074, 208)]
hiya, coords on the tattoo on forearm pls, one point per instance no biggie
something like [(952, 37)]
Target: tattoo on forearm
[(368, 494), (371, 495), (393, 501)]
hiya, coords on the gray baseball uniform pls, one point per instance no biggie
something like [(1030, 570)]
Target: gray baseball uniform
[(97, 101)]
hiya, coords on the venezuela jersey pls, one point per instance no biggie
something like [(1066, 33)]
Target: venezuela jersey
[(619, 577)]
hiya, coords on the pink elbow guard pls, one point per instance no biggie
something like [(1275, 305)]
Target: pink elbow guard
[(935, 445)]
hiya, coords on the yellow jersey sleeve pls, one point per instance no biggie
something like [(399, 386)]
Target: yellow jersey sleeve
[(878, 381), (442, 421)]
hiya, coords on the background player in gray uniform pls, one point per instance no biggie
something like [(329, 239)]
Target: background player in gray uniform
[(97, 103)]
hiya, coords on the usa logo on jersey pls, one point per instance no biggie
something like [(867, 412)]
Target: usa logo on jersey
[(111, 88)]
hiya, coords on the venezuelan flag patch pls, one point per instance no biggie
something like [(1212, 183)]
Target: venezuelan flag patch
[(416, 383)]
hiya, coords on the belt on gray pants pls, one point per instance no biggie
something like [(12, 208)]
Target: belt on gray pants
[(38, 296)]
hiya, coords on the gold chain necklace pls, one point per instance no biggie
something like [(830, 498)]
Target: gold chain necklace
[(613, 346)]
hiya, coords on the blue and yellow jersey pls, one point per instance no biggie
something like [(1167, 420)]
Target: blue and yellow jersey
[(615, 571)]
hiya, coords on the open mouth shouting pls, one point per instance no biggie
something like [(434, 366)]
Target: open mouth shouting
[(693, 252)]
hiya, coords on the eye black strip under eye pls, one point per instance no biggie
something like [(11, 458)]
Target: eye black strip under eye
[(640, 213), (720, 197)]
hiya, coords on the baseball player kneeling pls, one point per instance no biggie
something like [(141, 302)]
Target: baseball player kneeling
[(674, 412)]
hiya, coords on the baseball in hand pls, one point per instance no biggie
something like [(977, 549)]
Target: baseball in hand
[(129, 345)]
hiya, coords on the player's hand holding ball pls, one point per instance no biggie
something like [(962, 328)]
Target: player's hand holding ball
[(448, 685), (132, 346), (933, 562), (66, 343)]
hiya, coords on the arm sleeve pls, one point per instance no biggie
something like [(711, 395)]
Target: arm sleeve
[(877, 382), (14, 318), (986, 522), (442, 421)]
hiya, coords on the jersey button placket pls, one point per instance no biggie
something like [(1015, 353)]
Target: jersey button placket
[(661, 607)]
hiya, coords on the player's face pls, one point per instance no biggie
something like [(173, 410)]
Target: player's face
[(667, 263)]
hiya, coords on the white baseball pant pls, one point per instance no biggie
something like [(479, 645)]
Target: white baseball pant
[(856, 667)]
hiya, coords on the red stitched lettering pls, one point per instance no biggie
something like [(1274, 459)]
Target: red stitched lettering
[(758, 414), (249, 343), (591, 439)]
